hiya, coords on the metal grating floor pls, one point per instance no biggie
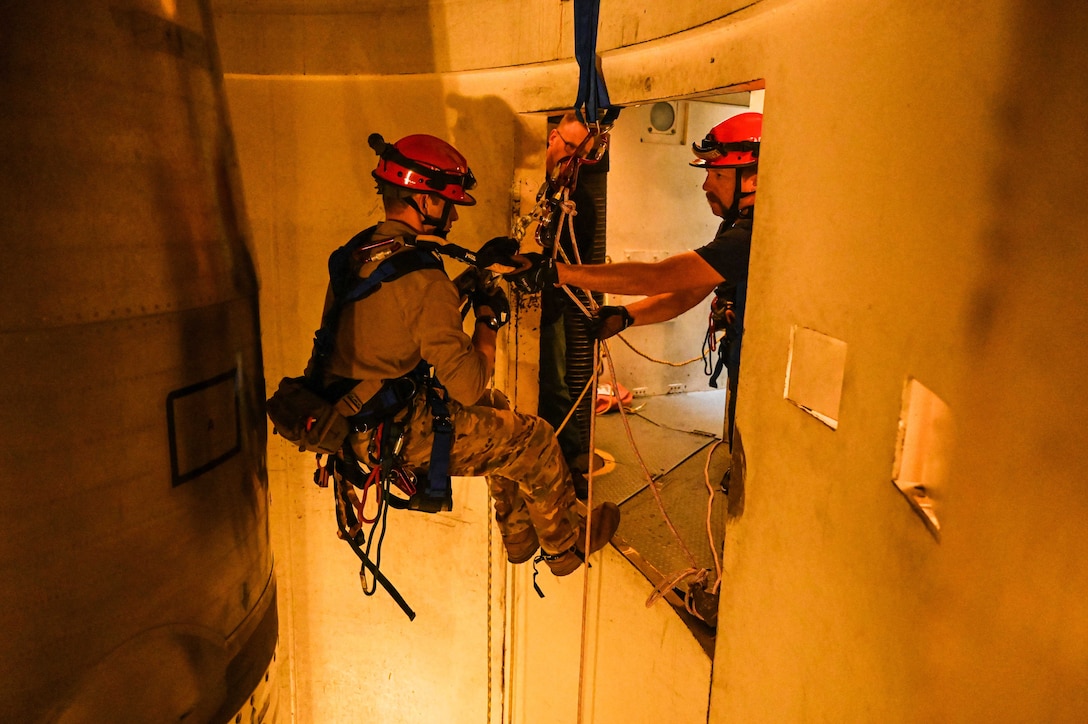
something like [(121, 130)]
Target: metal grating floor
[(671, 434)]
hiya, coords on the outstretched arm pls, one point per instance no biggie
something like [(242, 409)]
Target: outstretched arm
[(682, 272), (663, 307)]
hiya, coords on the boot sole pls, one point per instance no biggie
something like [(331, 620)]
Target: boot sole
[(522, 557), (568, 564)]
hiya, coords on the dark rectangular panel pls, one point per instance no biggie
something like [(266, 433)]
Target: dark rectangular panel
[(203, 423)]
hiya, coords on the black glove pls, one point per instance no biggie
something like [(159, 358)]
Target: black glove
[(467, 282), (498, 253), (610, 321), (539, 272), (490, 294)]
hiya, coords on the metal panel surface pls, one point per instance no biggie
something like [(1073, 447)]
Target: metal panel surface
[(134, 550)]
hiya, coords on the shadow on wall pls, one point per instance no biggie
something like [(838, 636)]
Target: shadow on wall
[(1012, 568), (497, 142), (486, 130)]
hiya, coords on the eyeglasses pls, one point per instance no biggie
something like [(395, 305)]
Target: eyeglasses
[(572, 148), (587, 150)]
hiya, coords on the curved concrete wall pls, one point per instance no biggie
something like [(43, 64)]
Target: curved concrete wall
[(286, 37)]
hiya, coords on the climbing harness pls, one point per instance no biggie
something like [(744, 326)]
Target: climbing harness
[(554, 209), (721, 309), (364, 489)]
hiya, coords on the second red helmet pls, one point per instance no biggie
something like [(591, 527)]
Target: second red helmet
[(732, 143)]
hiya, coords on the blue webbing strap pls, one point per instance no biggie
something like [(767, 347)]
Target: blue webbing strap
[(344, 294), (592, 92), (438, 477), (395, 266)]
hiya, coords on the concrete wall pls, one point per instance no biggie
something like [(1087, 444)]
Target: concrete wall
[(920, 202), (350, 37)]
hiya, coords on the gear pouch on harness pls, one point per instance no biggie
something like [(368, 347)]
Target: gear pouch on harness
[(305, 418)]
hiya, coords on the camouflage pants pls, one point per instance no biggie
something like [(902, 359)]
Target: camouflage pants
[(519, 455)]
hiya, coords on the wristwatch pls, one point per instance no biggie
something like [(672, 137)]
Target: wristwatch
[(490, 320)]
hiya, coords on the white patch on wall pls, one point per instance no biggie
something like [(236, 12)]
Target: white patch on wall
[(814, 374), (921, 455), (645, 255)]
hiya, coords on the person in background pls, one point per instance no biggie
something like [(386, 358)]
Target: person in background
[(730, 156), (567, 140)]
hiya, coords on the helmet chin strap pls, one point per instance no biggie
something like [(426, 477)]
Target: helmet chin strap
[(439, 223), (735, 211)]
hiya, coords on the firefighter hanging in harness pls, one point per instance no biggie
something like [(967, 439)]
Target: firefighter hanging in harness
[(393, 357)]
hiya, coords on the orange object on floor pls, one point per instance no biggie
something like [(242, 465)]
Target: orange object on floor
[(609, 399)]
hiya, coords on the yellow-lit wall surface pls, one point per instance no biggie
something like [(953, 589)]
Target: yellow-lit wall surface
[(920, 200)]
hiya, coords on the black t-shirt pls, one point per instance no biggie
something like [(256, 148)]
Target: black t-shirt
[(728, 253)]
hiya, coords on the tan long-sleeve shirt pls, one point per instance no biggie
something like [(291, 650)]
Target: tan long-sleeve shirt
[(408, 319)]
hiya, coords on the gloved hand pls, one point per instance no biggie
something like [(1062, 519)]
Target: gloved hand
[(498, 254), (610, 321), (467, 282), (490, 294), (540, 271)]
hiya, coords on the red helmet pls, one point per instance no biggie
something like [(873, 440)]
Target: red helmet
[(732, 143), (426, 164)]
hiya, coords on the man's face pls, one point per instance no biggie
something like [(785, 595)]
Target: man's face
[(563, 141), (720, 185)]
